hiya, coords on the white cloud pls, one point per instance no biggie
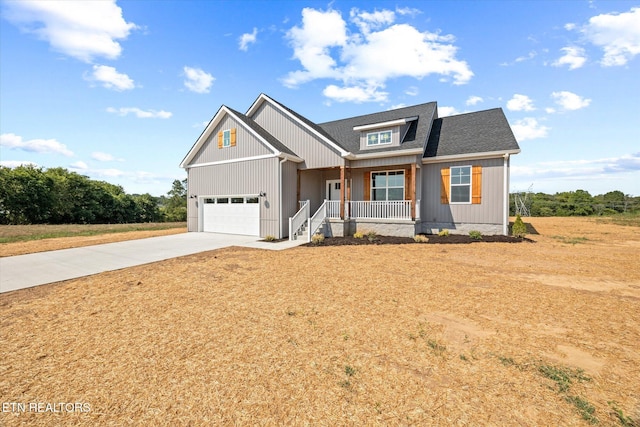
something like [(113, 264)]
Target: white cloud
[(529, 128), (15, 163), (355, 94), (197, 80), (248, 38), (79, 165), (520, 103), (570, 101), (412, 91), (573, 56), (80, 29), (111, 78), (474, 100), (104, 157), (369, 53), (15, 142), (141, 114), (618, 34), (447, 111)]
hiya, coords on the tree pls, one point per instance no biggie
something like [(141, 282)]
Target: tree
[(175, 204)]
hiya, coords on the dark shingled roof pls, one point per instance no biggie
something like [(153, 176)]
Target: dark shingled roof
[(342, 133), (479, 132), (263, 133)]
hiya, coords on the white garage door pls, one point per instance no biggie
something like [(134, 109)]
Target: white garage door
[(232, 215)]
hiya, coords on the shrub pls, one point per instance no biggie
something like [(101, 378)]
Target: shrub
[(372, 236), (270, 238), (443, 233), (518, 229), (420, 238), (317, 238), (358, 235), (475, 234)]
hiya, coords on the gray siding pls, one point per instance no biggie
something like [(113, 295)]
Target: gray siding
[(247, 145), (402, 161), (489, 211), (289, 191), (299, 140), (249, 177)]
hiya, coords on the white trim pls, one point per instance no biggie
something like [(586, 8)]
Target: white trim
[(376, 155), (262, 96), (238, 160), (390, 123), (505, 189), (371, 188), (378, 132), (471, 156), (459, 185)]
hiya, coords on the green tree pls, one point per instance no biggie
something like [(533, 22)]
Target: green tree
[(175, 204)]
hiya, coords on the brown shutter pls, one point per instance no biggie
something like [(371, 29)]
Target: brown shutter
[(233, 137), (367, 186), (220, 139), (444, 186), (476, 185)]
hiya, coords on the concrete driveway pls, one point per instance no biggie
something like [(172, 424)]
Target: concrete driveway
[(25, 271)]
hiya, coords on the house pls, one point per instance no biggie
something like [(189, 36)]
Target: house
[(271, 171)]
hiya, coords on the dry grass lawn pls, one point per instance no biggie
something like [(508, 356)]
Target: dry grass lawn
[(496, 334)]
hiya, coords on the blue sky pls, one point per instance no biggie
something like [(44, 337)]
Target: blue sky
[(120, 91)]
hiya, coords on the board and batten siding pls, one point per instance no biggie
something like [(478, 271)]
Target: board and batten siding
[(247, 145), (238, 178), (489, 211), (289, 192), (297, 138)]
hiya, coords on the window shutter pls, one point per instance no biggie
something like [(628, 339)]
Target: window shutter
[(367, 186), (444, 186), (476, 185), (220, 139), (233, 137)]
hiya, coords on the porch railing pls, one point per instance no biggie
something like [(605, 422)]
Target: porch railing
[(333, 208), (391, 209), (297, 221), (316, 220)]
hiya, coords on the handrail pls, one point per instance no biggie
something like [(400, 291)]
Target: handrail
[(390, 209), (316, 220), (297, 221)]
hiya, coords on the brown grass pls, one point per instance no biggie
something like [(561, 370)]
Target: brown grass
[(374, 335)]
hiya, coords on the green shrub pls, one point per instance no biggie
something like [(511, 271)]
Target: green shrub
[(475, 234), (518, 229), (420, 238), (317, 238), (270, 238), (443, 233), (372, 236)]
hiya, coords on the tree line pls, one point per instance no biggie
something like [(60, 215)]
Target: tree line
[(575, 203), (34, 195)]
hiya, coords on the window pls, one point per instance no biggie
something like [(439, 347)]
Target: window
[(222, 200), (237, 200), (226, 138), (252, 200), (379, 138), (387, 185), (461, 184)]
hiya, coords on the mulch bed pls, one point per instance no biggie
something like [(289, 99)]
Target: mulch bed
[(433, 239)]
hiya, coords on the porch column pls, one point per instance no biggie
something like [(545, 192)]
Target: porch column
[(342, 193), (412, 190)]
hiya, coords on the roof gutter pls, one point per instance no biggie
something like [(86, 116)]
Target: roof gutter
[(470, 156)]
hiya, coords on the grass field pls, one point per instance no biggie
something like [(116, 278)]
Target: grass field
[(490, 334)]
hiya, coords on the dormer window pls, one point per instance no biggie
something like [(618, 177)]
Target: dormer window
[(378, 138)]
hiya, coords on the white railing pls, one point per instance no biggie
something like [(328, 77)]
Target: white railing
[(297, 221), (316, 220), (333, 208), (391, 209)]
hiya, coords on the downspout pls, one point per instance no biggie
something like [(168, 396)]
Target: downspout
[(280, 198), (505, 220)]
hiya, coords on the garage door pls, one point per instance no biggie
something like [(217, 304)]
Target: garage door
[(232, 215)]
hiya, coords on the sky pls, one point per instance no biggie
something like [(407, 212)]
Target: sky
[(120, 90)]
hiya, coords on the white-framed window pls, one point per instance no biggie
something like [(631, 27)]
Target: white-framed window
[(387, 185), (226, 138), (378, 138), (460, 184)]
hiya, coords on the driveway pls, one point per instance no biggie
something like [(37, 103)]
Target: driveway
[(25, 271)]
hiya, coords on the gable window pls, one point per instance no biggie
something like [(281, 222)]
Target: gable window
[(227, 138), (387, 185), (379, 138), (461, 185)]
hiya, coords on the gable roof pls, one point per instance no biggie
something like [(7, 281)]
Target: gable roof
[(276, 147), (343, 133), (480, 132)]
